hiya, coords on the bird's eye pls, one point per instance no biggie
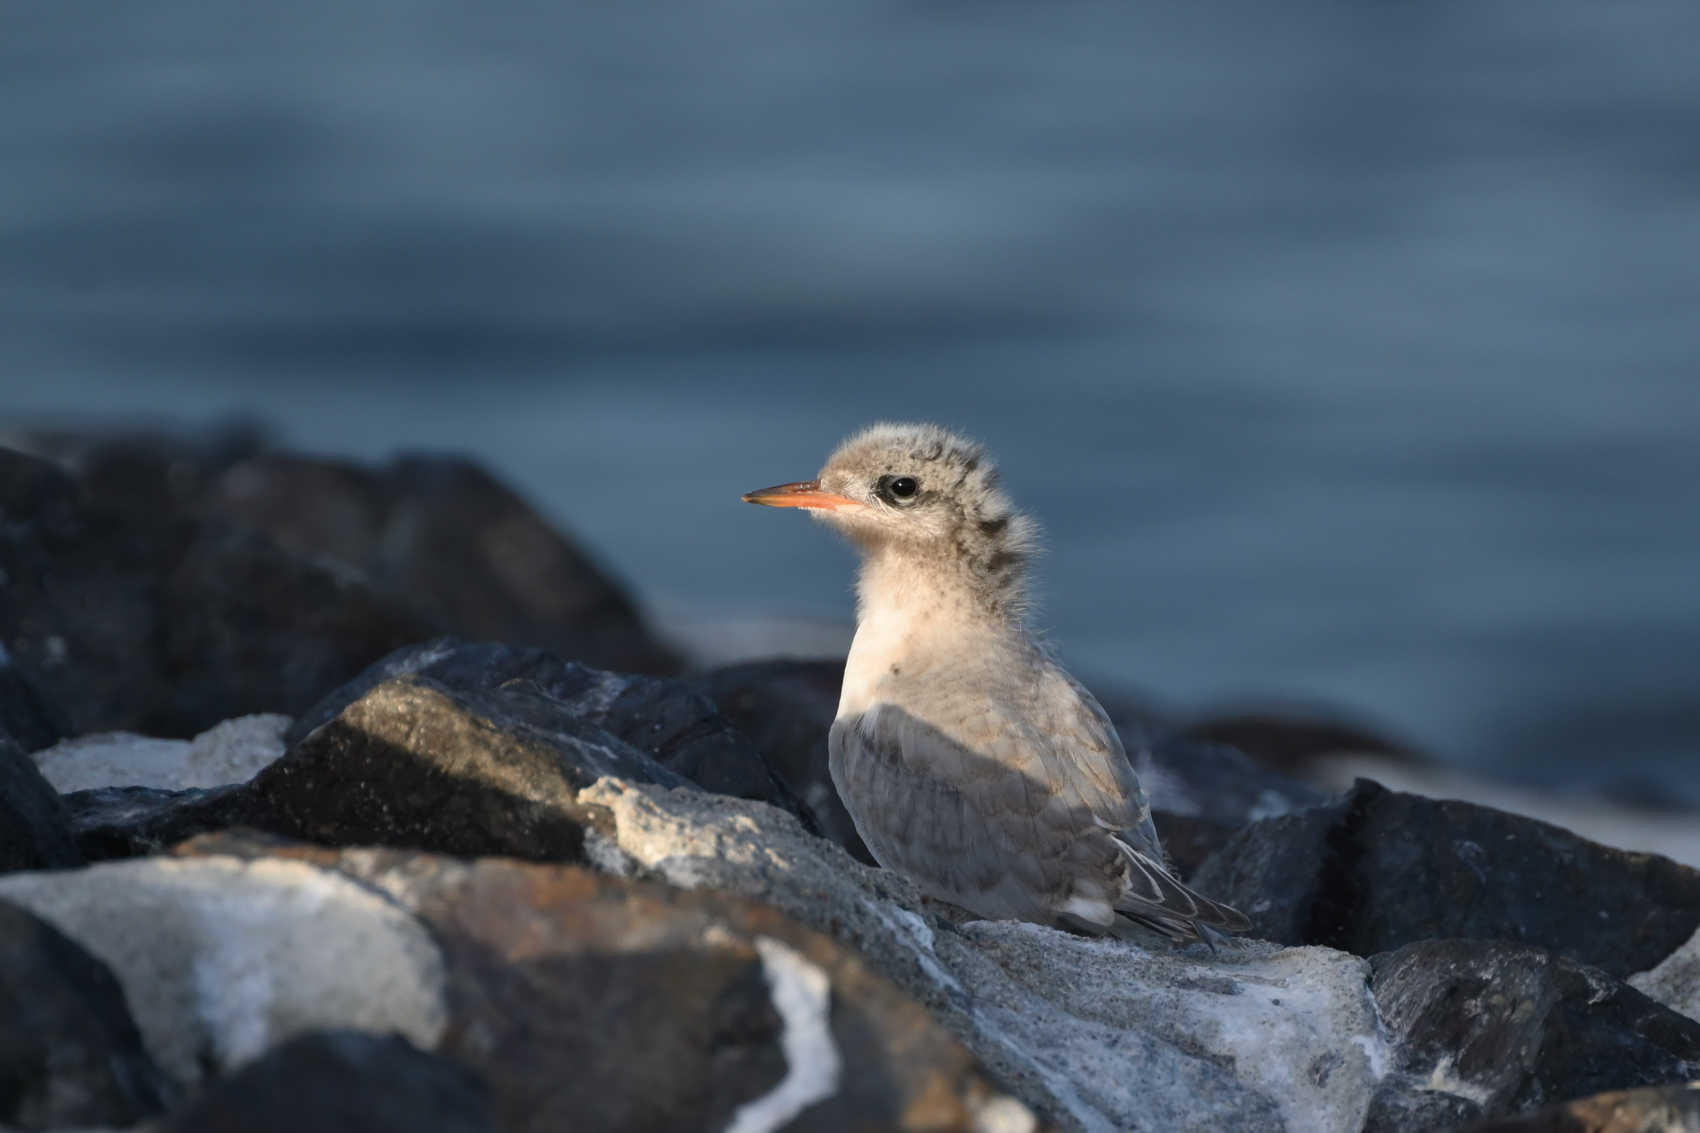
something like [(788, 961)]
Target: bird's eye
[(899, 488)]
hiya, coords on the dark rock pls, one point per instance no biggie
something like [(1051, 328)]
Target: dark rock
[(666, 719), (411, 763), (342, 1082), (1189, 840), (249, 627), (26, 714), (70, 1054), (416, 763), (446, 535), (1663, 1109), (786, 708), (35, 829), (79, 610), (1380, 869), (136, 618), (1509, 1028), (128, 822), (1289, 744)]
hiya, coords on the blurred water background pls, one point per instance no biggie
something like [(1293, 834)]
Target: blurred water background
[(1348, 351)]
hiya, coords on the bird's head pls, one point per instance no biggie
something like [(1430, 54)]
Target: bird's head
[(918, 490)]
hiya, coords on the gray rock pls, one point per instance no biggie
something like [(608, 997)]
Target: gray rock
[(220, 959), (342, 1082), (231, 752), (69, 1051), (1093, 1034), (1675, 981), (35, 828), (1379, 869), (674, 724), (1506, 1028)]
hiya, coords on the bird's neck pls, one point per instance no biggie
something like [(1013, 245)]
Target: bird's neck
[(898, 583)]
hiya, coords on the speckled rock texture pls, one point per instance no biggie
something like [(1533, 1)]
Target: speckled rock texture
[(667, 720), (1675, 981)]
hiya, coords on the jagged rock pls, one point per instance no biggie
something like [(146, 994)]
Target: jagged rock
[(786, 708), (1380, 869), (669, 721), (1675, 982), (1508, 1028), (445, 534), (411, 763), (342, 1082), (27, 715), (1093, 1034), (220, 959), (231, 752), (1665, 1109), (69, 1051), (35, 828), (415, 763)]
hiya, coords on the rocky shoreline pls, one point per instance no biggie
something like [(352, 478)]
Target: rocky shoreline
[(356, 798)]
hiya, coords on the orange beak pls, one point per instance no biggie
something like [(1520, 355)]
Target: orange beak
[(804, 493)]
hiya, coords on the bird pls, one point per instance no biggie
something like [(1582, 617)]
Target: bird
[(969, 759)]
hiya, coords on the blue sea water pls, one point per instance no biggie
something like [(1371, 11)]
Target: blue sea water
[(1349, 353)]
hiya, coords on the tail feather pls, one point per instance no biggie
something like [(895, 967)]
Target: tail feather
[(1155, 899)]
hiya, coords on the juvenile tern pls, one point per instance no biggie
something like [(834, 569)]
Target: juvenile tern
[(970, 760)]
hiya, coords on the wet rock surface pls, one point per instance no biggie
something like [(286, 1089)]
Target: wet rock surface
[(1380, 869), (669, 721), (1489, 1029), (35, 827), (69, 1052), (342, 1082)]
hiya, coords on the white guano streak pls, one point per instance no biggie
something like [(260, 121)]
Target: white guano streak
[(802, 994)]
